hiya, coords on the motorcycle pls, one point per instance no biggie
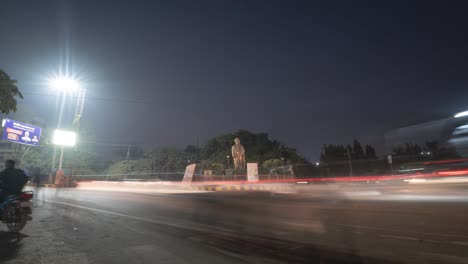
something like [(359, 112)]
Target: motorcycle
[(16, 210)]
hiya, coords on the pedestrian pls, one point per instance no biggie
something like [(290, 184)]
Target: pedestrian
[(36, 180)]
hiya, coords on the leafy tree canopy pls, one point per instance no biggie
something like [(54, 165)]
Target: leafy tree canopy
[(259, 147), (338, 153), (8, 93)]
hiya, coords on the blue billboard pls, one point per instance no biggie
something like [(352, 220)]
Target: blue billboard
[(21, 133)]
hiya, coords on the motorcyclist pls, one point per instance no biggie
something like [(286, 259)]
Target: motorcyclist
[(12, 180)]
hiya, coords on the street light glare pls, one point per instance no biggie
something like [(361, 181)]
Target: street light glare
[(64, 83), (461, 114)]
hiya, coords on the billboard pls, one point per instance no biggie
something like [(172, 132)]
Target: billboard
[(21, 133)]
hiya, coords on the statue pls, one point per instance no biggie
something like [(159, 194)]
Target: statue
[(238, 154)]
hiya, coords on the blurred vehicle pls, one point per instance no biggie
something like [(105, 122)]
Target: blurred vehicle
[(453, 167), (16, 210), (459, 139)]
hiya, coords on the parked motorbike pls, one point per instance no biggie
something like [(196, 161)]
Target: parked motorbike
[(16, 210)]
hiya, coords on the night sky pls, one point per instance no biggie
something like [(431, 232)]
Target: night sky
[(307, 72)]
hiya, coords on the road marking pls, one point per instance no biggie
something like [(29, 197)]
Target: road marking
[(400, 231), (193, 226)]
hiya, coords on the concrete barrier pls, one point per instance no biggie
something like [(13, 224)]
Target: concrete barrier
[(133, 186), (161, 187)]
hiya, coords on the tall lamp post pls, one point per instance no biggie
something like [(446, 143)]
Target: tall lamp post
[(63, 138), (63, 85)]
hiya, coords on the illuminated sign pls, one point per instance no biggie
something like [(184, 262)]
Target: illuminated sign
[(64, 138), (21, 133)]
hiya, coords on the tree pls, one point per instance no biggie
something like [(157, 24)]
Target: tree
[(339, 153), (370, 152), (213, 154), (82, 159), (136, 152), (168, 159), (408, 149), (8, 93), (333, 153), (259, 147), (193, 153), (358, 152), (271, 164)]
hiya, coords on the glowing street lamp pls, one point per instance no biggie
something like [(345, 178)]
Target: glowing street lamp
[(64, 84)]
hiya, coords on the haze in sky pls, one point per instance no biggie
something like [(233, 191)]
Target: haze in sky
[(307, 72)]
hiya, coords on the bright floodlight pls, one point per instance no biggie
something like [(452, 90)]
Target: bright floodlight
[(64, 138), (64, 83)]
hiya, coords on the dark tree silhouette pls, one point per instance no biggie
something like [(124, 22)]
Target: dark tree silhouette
[(370, 152), (8, 93), (358, 152)]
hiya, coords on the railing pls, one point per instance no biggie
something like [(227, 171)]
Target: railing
[(142, 176), (173, 176)]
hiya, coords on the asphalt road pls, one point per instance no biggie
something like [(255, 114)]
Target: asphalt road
[(318, 224)]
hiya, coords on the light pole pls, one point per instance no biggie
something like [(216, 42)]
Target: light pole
[(63, 139), (228, 161), (62, 84)]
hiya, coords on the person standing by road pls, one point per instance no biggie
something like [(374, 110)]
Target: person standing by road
[(36, 177)]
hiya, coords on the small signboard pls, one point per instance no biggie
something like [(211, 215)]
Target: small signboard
[(252, 172), (188, 175), (21, 133), (389, 157)]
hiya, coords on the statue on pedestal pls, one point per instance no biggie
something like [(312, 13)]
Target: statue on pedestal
[(238, 154)]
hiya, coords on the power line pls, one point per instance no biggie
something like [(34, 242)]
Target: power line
[(104, 143), (113, 100)]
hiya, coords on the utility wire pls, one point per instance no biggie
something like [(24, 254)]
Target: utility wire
[(113, 100)]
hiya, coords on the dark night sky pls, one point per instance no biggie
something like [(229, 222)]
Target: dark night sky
[(307, 72)]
